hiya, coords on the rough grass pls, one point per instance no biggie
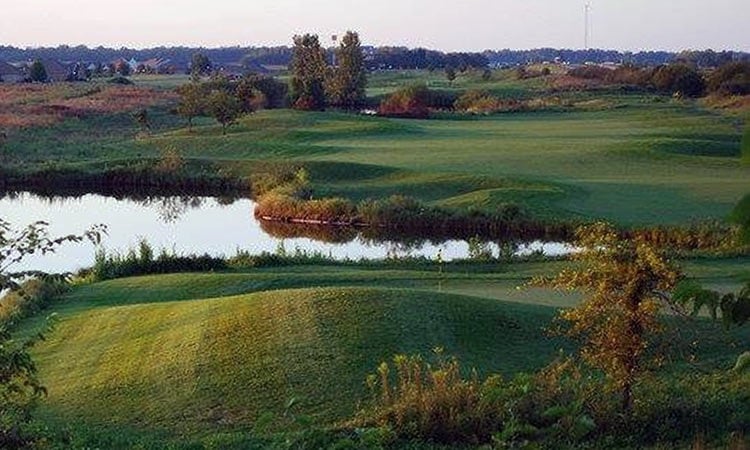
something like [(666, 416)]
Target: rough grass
[(27, 105)]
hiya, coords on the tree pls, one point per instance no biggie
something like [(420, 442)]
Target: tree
[(251, 99), (123, 68), (37, 72), (19, 386), (275, 92), (731, 79), (224, 107), (678, 78), (200, 65), (192, 102), (411, 102), (308, 73), (346, 88), (450, 74), (625, 283)]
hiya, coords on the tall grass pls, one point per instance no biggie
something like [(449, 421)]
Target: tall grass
[(561, 406), (143, 260)]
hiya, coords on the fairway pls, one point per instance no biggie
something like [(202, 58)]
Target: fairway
[(173, 361), (185, 354)]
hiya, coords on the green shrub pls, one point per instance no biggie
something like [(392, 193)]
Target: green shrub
[(409, 102), (33, 296)]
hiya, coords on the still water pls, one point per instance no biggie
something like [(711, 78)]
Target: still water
[(204, 225)]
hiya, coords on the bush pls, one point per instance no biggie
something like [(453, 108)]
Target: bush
[(731, 79), (478, 102), (410, 102), (33, 296), (590, 72), (120, 80), (678, 79), (432, 403)]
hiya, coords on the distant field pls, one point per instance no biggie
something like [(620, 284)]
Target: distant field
[(190, 354), (627, 158)]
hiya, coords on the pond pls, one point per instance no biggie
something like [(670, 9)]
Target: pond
[(214, 226)]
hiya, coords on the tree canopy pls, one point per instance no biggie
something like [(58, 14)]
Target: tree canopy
[(37, 72), (346, 88), (624, 282), (308, 73)]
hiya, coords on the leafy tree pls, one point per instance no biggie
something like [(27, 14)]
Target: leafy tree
[(224, 107), (308, 73), (251, 99), (37, 72), (274, 91), (450, 74), (745, 150), (678, 78), (731, 79), (200, 65), (412, 102), (123, 69), (624, 282), (347, 85), (20, 388), (192, 102)]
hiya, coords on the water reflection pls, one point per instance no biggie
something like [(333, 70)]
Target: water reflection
[(223, 225)]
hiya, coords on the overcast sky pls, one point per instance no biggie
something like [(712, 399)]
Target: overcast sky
[(440, 24)]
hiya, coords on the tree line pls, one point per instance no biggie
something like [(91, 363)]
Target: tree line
[(384, 57)]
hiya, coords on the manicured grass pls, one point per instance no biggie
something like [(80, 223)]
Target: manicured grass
[(196, 354), (218, 364)]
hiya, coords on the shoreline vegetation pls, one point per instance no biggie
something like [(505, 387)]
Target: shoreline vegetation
[(285, 208)]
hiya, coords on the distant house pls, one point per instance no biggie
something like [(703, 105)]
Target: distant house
[(56, 71), (11, 74), (156, 65)]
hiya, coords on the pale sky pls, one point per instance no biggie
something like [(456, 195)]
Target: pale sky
[(440, 24)]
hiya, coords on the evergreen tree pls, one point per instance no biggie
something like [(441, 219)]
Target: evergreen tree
[(347, 86), (308, 73), (37, 72)]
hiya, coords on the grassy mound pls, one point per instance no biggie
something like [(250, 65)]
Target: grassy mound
[(218, 364)]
